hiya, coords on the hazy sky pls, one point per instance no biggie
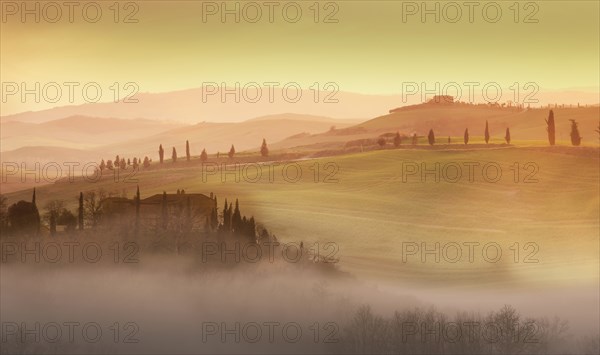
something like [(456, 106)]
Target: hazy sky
[(363, 46)]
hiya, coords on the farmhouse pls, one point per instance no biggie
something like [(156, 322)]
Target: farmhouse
[(181, 208)]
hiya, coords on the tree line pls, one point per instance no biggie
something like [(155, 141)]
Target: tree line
[(574, 134)]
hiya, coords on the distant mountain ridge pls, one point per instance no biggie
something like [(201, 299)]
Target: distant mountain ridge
[(189, 106)]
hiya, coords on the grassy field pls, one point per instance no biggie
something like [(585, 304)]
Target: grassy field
[(370, 212)]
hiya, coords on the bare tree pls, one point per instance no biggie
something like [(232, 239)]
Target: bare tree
[(92, 206), (3, 211)]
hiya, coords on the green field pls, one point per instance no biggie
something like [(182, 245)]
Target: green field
[(370, 212)]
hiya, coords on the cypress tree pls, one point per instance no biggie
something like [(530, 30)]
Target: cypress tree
[(187, 150), (226, 219), (252, 229), (431, 137), (575, 137), (466, 138), (236, 218), (137, 210), (203, 155), (174, 155), (487, 133), (231, 152), (264, 150), (161, 153), (551, 128), (507, 136), (37, 213)]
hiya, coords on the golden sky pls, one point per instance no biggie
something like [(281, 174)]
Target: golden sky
[(364, 46)]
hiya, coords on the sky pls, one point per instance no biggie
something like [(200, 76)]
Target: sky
[(369, 47)]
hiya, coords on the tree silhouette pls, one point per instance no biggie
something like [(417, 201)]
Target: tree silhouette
[(227, 217), (92, 206), (187, 150), (80, 212), (174, 156), (236, 218), (414, 139), (203, 155), (431, 137), (146, 162), (102, 165), (23, 216), (487, 132), (507, 136), (551, 128), (161, 153), (109, 164), (264, 150), (449, 140), (3, 211), (381, 141), (397, 140), (137, 210), (231, 152), (575, 137)]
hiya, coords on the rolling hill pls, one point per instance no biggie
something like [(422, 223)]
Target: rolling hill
[(452, 120), (78, 132), (369, 210), (220, 136)]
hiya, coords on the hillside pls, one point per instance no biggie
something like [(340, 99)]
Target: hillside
[(78, 132), (220, 136), (368, 211), (452, 120)]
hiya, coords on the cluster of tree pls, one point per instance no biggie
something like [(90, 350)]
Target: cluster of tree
[(121, 163), (551, 128), (24, 217), (264, 151), (232, 222), (574, 134), (413, 331), (188, 155)]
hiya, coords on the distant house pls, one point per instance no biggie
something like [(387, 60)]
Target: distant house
[(123, 210), (436, 100)]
